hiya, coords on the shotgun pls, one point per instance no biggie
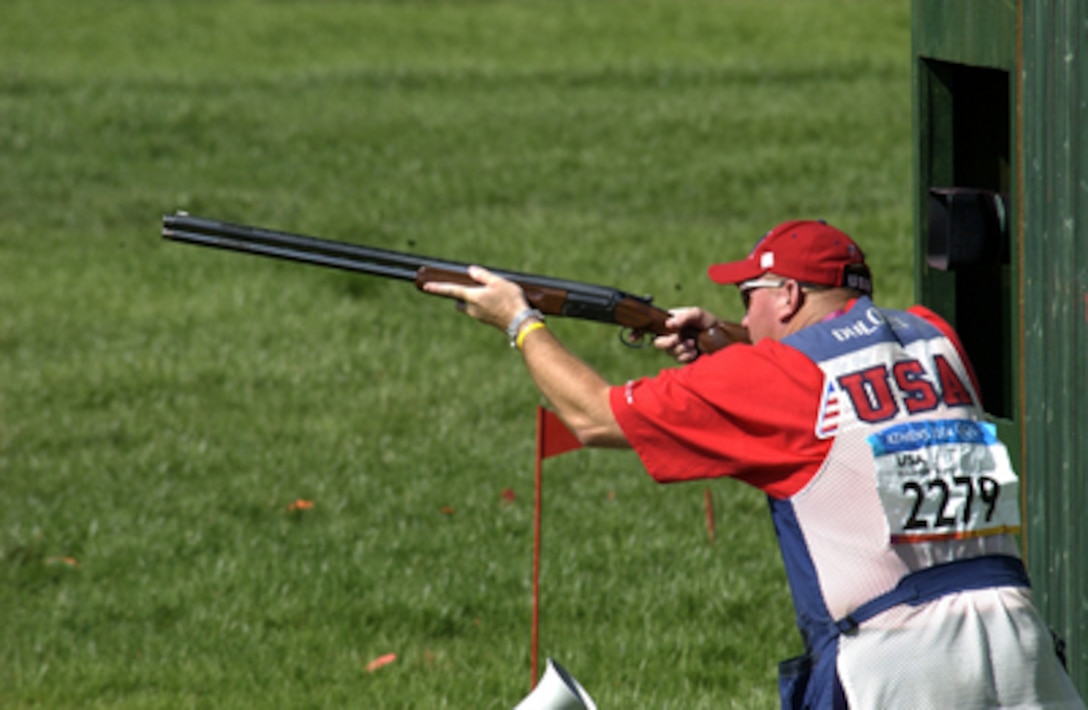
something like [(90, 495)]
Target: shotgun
[(637, 316)]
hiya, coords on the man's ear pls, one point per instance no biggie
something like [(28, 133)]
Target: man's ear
[(790, 301)]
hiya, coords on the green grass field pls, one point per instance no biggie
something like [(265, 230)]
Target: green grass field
[(161, 406)]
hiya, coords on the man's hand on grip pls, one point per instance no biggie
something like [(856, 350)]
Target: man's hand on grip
[(686, 324)]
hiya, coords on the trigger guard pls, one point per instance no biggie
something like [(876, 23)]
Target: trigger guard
[(628, 338)]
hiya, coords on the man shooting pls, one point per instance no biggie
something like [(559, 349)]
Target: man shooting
[(894, 504)]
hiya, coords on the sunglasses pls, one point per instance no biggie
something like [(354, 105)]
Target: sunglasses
[(747, 287)]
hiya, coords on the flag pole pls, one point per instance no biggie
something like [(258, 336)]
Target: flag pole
[(552, 439), (537, 508)]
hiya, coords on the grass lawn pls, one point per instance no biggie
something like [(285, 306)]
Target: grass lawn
[(164, 408)]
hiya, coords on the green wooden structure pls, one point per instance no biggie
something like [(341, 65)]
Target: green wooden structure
[(1001, 187)]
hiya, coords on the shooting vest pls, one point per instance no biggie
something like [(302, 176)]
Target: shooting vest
[(915, 499)]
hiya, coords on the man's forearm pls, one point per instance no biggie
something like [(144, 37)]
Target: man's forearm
[(578, 393)]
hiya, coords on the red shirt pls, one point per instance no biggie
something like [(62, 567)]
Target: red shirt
[(748, 411)]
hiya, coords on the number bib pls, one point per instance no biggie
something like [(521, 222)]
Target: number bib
[(945, 480)]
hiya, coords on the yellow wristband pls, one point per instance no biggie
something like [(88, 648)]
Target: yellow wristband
[(524, 332)]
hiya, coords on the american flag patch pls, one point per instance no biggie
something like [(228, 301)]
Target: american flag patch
[(827, 423)]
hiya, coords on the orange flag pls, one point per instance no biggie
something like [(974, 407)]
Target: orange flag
[(552, 439), (552, 435)]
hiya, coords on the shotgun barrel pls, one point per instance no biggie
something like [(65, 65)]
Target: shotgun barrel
[(637, 315)]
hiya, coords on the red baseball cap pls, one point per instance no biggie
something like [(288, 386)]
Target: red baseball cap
[(810, 251)]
